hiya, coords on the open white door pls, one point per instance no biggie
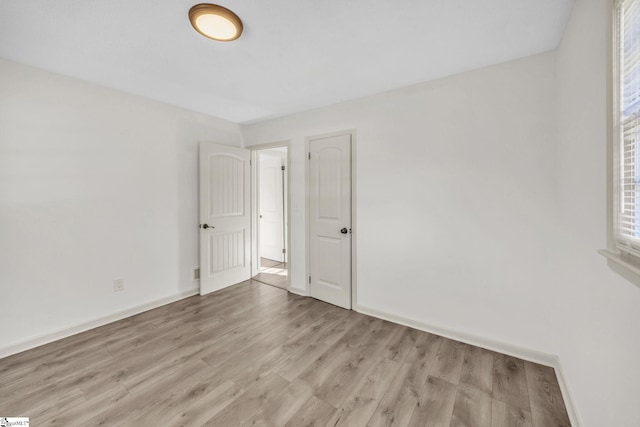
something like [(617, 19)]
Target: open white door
[(271, 206), (225, 238), (330, 219)]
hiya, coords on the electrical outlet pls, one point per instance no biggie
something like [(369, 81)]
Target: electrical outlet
[(118, 285)]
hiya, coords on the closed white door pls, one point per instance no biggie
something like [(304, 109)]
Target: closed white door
[(330, 219), (225, 239), (271, 206)]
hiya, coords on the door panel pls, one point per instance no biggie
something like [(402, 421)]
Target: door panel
[(329, 213), (271, 207), (329, 265), (226, 174), (226, 251), (329, 181), (224, 209)]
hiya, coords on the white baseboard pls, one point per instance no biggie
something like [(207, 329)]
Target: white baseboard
[(47, 338), (531, 355), (489, 344), (567, 394)]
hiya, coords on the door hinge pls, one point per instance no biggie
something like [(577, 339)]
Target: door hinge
[(282, 167), (309, 279), (309, 155), (284, 251), (249, 162)]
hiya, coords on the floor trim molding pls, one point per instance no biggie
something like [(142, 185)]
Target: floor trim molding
[(531, 355), (567, 394), (47, 338)]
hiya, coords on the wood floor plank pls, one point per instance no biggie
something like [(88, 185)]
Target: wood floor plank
[(237, 342), (134, 364), (298, 361), (547, 406), (397, 405), (359, 332), (208, 406), (360, 406), (325, 365), (345, 377), (274, 352), (256, 361), (271, 278), (169, 335), (50, 379), (268, 263), (237, 308), (313, 413), (477, 369), (505, 415), (435, 404), (312, 315), (141, 376), (16, 366), (472, 408), (212, 343), (448, 364), (401, 343), (283, 407), (180, 398), (140, 403), (509, 381), (425, 349), (62, 364), (253, 354), (377, 332), (80, 414), (337, 354), (131, 370), (60, 402), (245, 406)]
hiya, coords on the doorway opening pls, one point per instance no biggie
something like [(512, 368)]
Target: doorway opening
[(270, 167)]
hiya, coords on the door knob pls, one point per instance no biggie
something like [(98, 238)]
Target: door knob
[(344, 231), (205, 226)]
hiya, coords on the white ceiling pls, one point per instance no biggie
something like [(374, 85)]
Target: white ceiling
[(294, 54)]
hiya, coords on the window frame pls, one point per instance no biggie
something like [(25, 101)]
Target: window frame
[(624, 243), (621, 256)]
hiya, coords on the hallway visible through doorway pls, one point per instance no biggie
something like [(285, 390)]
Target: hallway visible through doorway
[(272, 273), (271, 215)]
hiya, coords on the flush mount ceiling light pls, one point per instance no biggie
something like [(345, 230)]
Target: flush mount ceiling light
[(215, 22)]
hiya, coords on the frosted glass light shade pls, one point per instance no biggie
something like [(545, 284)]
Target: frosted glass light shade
[(215, 22)]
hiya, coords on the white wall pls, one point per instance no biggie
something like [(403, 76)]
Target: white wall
[(455, 199), (601, 329), (95, 184)]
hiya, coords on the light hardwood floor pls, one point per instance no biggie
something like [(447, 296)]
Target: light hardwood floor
[(252, 355), (272, 273)]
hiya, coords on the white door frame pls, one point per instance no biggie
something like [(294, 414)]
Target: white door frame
[(354, 228), (255, 261)]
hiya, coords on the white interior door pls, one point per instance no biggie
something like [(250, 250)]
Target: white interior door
[(330, 219), (225, 238), (271, 206)]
